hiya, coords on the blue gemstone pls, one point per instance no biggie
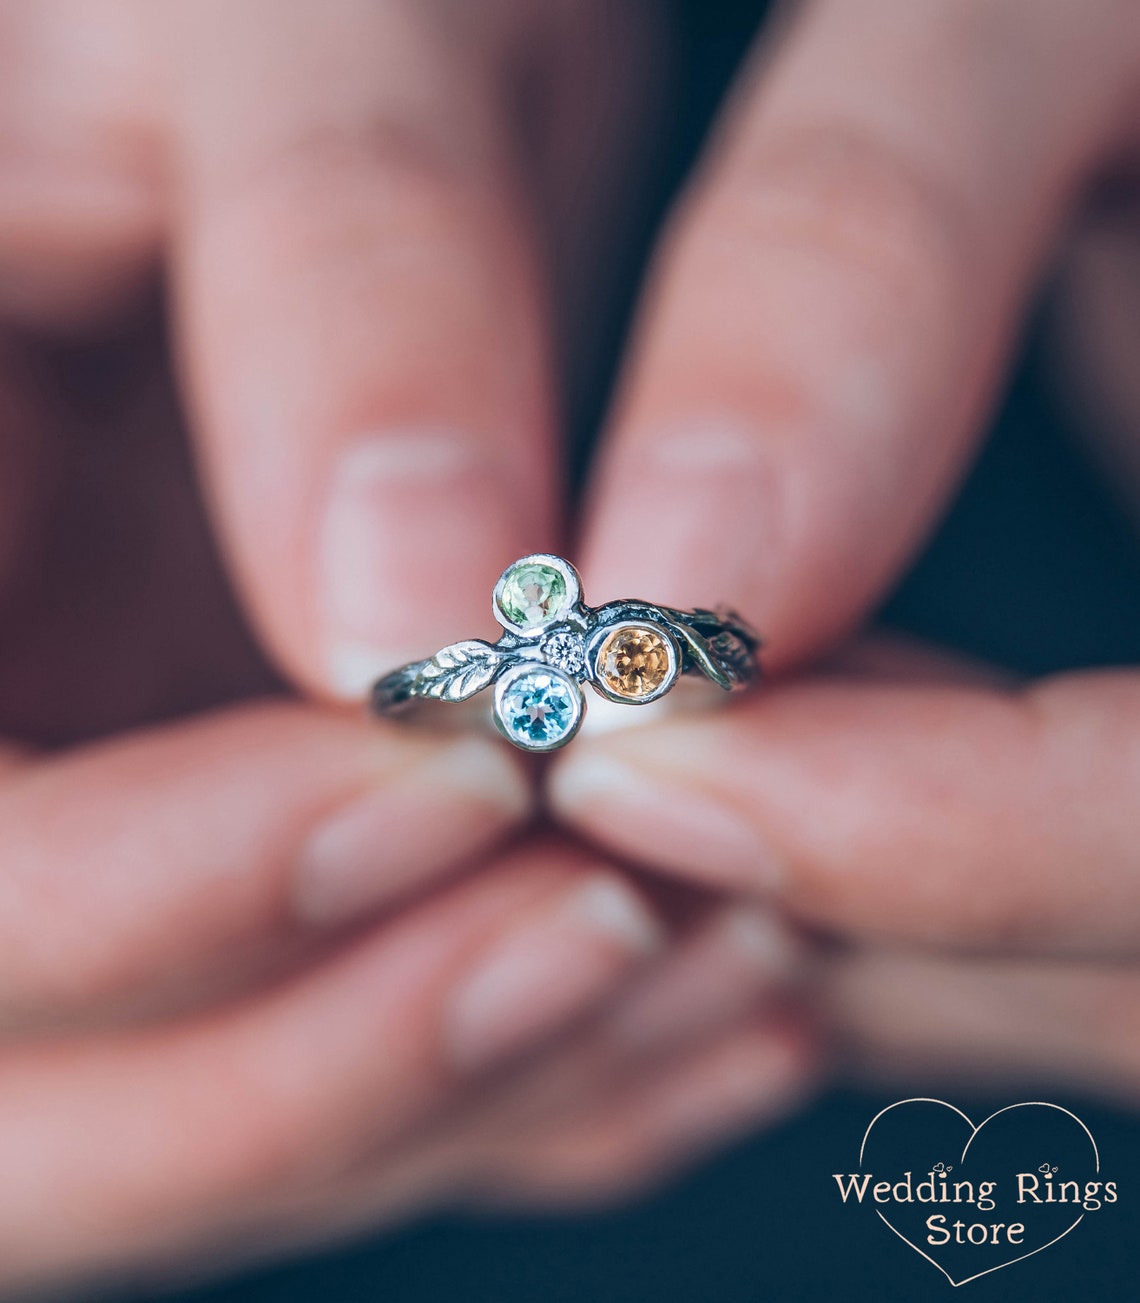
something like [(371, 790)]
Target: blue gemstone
[(539, 708)]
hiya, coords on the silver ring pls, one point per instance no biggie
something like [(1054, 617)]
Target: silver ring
[(552, 643)]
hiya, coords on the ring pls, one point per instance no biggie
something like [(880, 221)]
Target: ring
[(552, 643)]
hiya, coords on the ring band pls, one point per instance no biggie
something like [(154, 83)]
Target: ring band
[(552, 643)]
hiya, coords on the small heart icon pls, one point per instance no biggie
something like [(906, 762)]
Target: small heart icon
[(996, 1204)]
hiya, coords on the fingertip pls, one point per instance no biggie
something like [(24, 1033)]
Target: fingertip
[(361, 300), (682, 509), (543, 974), (417, 525), (635, 793), (395, 838)]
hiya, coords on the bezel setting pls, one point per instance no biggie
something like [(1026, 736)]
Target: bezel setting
[(596, 644), (508, 682), (570, 601)]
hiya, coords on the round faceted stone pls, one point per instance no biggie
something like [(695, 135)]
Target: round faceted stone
[(635, 662), (538, 709), (533, 593), (565, 650)]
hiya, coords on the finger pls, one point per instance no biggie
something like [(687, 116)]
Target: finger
[(137, 870), (81, 200), (709, 989), (929, 1018), (181, 1134), (964, 816), (736, 963), (363, 331), (891, 657), (653, 1125), (832, 306), (626, 1141)]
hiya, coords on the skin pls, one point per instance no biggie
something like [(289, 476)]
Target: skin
[(220, 1033), (273, 972), (828, 315)]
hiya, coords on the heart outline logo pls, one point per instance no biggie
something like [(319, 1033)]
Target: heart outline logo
[(974, 1130)]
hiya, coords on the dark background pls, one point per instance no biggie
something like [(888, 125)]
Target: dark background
[(1034, 569)]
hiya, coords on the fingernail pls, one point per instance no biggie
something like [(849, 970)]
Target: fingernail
[(548, 972), (766, 944), (740, 955), (701, 472), (403, 833), (398, 575), (648, 816)]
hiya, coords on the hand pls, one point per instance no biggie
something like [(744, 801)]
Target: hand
[(829, 315), (360, 208), (267, 972)]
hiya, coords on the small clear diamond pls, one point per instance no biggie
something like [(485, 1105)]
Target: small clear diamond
[(565, 650)]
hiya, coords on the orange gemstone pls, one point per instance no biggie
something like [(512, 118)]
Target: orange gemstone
[(634, 662)]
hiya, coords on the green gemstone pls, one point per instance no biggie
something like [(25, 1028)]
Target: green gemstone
[(533, 594)]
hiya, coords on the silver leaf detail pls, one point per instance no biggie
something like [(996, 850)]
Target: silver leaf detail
[(703, 654), (460, 671)]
